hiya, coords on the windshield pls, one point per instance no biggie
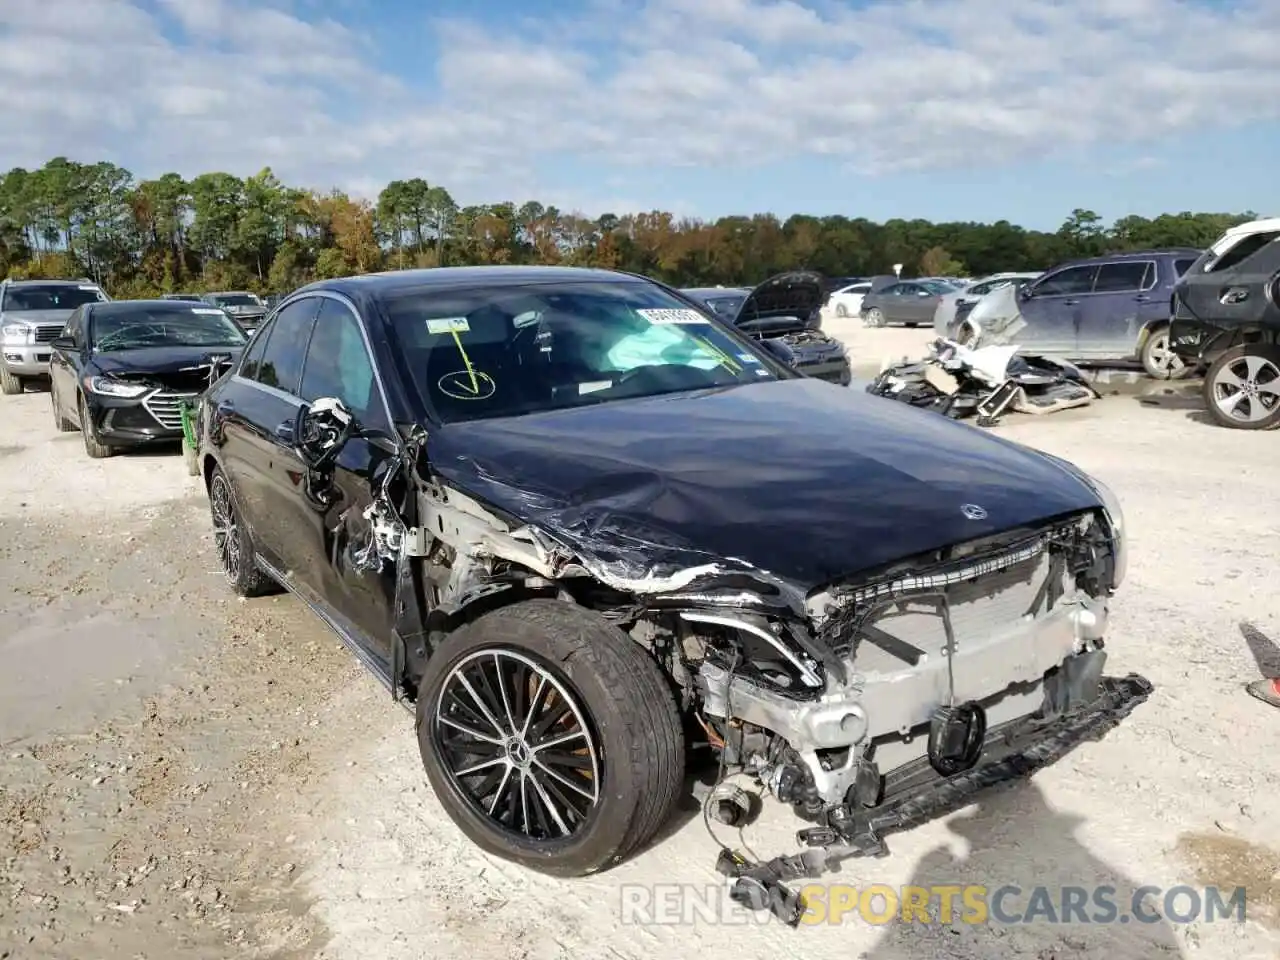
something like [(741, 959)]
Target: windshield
[(505, 351), (165, 326), (726, 307), (237, 300), (59, 296)]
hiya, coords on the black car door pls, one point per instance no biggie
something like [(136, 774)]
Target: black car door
[(258, 410), (64, 368), (342, 565)]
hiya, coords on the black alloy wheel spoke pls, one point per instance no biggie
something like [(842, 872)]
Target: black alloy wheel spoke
[(516, 743)]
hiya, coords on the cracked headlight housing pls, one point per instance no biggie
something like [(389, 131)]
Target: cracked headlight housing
[(1114, 513), (1115, 519)]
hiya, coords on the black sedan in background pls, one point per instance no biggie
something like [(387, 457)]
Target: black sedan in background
[(120, 370), (786, 313)]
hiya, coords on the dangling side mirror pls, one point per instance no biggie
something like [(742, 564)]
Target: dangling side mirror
[(321, 430)]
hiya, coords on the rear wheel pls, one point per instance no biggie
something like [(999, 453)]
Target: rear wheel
[(10, 383), (1158, 359), (841, 310), (875, 317), (550, 737), (1242, 387), (236, 554), (94, 447)]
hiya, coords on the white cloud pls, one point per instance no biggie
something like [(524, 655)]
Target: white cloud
[(196, 85)]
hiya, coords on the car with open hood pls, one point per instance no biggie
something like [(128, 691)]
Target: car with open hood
[(32, 314), (1226, 324), (120, 371), (581, 528), (786, 311)]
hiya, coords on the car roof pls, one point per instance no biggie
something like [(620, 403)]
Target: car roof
[(52, 283), (441, 278), (716, 291), (124, 306)]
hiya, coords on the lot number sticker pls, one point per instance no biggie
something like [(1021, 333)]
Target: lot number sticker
[(448, 325), (680, 315)]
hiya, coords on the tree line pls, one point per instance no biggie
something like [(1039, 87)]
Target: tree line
[(140, 238)]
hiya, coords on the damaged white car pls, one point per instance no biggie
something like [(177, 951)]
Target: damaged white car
[(583, 529)]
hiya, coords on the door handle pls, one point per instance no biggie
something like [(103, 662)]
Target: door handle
[(1142, 298), (1070, 303), (285, 431)]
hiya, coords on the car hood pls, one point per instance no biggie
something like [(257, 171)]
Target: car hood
[(37, 316), (173, 368), (797, 482), (784, 303)]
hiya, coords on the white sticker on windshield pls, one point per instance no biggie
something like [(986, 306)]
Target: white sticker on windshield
[(680, 315), (595, 386), (748, 358), (88, 286), (448, 325), (208, 311)]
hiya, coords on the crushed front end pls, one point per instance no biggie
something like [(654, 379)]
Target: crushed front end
[(953, 672)]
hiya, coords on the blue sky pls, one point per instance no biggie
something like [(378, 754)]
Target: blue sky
[(941, 109)]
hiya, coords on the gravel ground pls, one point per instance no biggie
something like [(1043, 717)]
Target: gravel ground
[(185, 774)]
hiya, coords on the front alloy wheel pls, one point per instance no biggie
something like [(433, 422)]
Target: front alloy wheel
[(550, 737), (516, 742)]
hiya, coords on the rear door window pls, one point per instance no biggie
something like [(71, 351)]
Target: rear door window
[(1181, 266), (1125, 276), (1242, 250), (1068, 282)]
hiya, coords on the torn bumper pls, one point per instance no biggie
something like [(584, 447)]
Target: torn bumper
[(1009, 753), (1004, 671)]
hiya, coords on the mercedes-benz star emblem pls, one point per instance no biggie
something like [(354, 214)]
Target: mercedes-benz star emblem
[(973, 511)]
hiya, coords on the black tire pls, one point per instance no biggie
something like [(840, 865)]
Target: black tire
[(10, 383), (236, 554), (1231, 374), (841, 310), (60, 423), (624, 703), (94, 447), (1158, 360)]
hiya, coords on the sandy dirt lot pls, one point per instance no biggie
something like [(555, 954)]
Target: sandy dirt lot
[(183, 774)]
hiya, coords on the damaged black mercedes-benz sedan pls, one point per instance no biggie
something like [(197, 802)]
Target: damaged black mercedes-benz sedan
[(584, 527)]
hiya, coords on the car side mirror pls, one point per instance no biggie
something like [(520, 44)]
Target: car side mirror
[(321, 430), (64, 343), (1024, 293)]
